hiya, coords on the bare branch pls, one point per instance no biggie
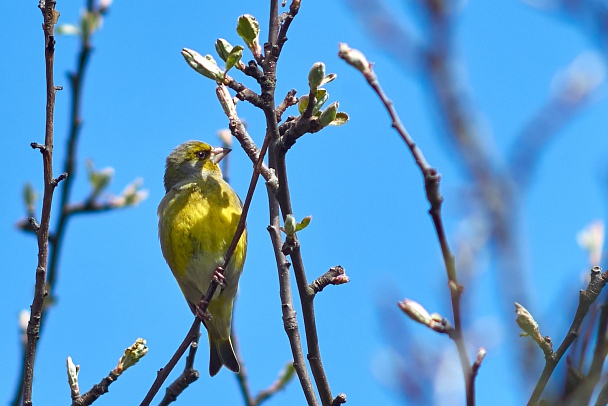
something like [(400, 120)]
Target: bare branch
[(188, 376), (334, 276), (50, 16), (431, 182), (586, 299)]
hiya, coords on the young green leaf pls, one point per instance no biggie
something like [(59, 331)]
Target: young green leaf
[(304, 223), (223, 48), (234, 57), (322, 97), (329, 114), (248, 29), (340, 119)]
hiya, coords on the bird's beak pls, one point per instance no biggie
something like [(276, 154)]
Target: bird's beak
[(218, 153)]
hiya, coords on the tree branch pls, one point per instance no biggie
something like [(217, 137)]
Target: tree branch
[(431, 183), (586, 298), (50, 16)]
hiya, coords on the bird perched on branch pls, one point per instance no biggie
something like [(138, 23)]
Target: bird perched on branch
[(197, 220)]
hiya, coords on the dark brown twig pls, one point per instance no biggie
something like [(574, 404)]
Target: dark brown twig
[(188, 376), (334, 276), (276, 161), (586, 299), (290, 322), (289, 100), (50, 16)]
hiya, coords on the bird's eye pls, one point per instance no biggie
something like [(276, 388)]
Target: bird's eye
[(201, 154)]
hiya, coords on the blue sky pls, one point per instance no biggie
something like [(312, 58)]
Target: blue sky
[(358, 182)]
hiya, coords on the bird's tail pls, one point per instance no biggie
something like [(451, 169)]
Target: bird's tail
[(222, 353)]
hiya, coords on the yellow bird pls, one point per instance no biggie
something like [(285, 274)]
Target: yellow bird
[(197, 220)]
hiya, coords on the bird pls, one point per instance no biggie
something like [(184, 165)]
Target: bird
[(197, 220)]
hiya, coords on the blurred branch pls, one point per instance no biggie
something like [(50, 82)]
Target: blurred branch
[(481, 354), (602, 398), (586, 299), (241, 377), (50, 16), (597, 363), (434, 58), (572, 89), (582, 386), (431, 182), (285, 376)]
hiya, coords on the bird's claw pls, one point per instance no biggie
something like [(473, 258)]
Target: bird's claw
[(203, 314), (218, 276)]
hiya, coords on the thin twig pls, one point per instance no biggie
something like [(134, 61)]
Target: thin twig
[(475, 369), (50, 16), (431, 182), (281, 198), (583, 394), (289, 100), (188, 376), (164, 372), (290, 322), (586, 299)]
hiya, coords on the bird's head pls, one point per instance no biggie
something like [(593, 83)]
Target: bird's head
[(191, 160)]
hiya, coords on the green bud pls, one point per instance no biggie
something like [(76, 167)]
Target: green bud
[(99, 179), (290, 225), (206, 65), (132, 355), (248, 29), (303, 103), (30, 197), (316, 76), (132, 194), (329, 114), (525, 320)]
